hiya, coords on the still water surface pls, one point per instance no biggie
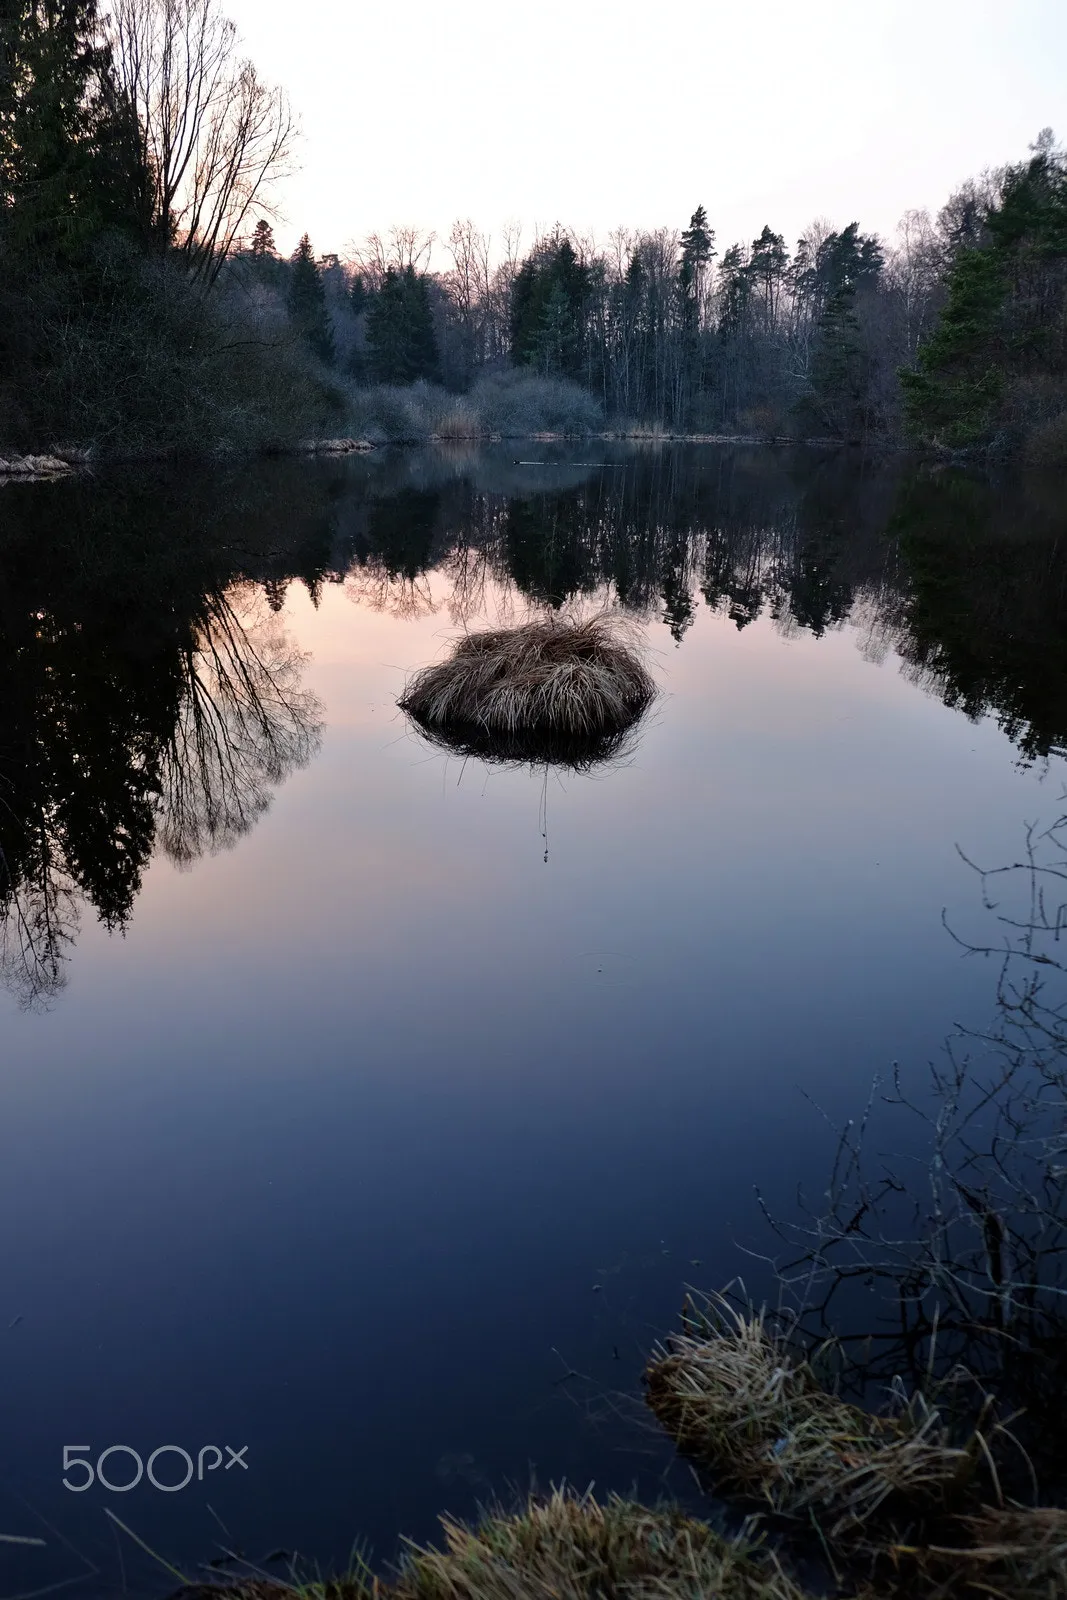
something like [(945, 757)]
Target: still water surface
[(354, 1099)]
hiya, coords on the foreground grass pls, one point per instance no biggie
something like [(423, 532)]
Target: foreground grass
[(565, 1547), (898, 1504), (892, 1507), (732, 1398)]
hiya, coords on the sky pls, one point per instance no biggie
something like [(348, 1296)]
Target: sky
[(597, 114)]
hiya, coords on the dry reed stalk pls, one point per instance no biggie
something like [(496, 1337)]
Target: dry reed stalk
[(734, 1399)]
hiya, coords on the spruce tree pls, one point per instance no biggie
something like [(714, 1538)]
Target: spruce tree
[(548, 310), (847, 265), (70, 164), (307, 303), (1004, 324), (263, 240), (697, 250), (401, 341)]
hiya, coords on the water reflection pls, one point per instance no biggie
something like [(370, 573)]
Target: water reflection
[(138, 711), (151, 699), (243, 725)]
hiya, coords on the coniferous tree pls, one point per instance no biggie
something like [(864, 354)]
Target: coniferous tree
[(263, 240), (847, 265), (401, 341), (548, 307), (69, 159), (697, 250), (1003, 330), (768, 261), (307, 303)]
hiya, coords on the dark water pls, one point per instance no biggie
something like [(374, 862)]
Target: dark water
[(372, 1110)]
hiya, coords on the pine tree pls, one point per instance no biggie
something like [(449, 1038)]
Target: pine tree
[(263, 240), (401, 341), (1004, 320), (768, 264), (548, 308), (70, 163), (307, 303), (697, 250)]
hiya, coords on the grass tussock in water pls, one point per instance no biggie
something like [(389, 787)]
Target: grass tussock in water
[(733, 1398), (563, 1547), (548, 690)]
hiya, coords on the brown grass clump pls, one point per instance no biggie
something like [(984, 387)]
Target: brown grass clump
[(565, 1547), (733, 1398), (571, 1547), (551, 690), (1012, 1553)]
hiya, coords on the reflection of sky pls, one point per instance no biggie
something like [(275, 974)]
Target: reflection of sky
[(329, 1151)]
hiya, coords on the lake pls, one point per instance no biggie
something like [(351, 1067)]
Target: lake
[(367, 1111)]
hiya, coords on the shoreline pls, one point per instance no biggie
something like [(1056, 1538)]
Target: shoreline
[(61, 462)]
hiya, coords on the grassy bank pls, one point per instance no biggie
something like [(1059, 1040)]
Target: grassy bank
[(912, 1503)]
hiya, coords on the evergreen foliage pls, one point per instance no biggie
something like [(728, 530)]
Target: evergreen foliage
[(697, 250), (105, 339), (69, 153), (401, 341), (997, 361), (307, 303), (263, 240), (548, 305)]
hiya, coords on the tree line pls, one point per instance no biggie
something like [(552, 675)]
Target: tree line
[(144, 304), (953, 333)]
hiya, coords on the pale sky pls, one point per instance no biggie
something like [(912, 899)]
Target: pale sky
[(597, 114)]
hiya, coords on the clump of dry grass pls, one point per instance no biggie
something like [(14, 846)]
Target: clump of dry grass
[(571, 1547), (553, 690), (1012, 1553), (563, 1547), (736, 1401)]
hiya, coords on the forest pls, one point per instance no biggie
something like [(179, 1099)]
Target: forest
[(145, 307)]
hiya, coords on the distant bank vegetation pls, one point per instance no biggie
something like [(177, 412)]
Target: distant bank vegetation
[(144, 306)]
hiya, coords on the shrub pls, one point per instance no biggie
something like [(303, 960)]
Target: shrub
[(143, 363), (517, 404), (512, 405)]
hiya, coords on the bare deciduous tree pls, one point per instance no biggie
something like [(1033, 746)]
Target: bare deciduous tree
[(214, 137), (404, 247)]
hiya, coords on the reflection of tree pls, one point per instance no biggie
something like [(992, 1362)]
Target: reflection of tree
[(243, 725), (38, 925), (119, 729), (983, 621), (143, 694), (957, 1259), (393, 556)]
